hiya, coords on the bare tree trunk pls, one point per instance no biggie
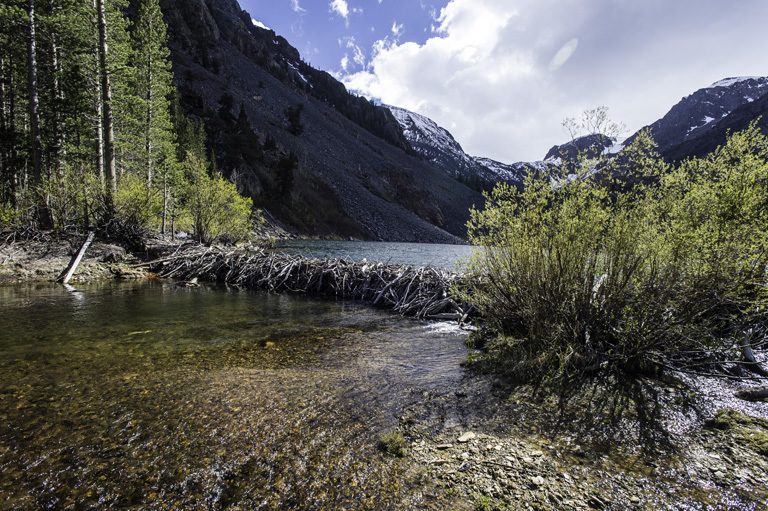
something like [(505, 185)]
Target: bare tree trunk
[(148, 133), (106, 102), (99, 117), (165, 198), (5, 168), (34, 101)]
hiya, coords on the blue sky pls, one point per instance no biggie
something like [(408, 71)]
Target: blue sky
[(502, 75)]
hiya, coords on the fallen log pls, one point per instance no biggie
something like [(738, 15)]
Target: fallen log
[(66, 275), (750, 362), (753, 394)]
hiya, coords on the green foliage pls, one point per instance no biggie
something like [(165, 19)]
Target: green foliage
[(293, 114), (73, 197), (7, 215), (393, 443), (285, 167), (216, 209), (137, 207), (622, 267)]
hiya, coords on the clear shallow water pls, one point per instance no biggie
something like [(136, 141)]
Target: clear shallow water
[(414, 254), (153, 396)]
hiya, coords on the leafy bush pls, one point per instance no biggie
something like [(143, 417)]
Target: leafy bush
[(72, 197), (7, 215), (393, 443), (137, 207), (216, 209), (622, 266)]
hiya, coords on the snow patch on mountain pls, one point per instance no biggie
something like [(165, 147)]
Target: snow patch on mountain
[(259, 24), (436, 144), (728, 82), (426, 136)]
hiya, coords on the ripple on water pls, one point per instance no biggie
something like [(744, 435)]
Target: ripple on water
[(149, 395)]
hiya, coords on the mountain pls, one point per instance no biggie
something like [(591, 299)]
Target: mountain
[(753, 110), (588, 145), (698, 123), (694, 127), (437, 145), (321, 161)]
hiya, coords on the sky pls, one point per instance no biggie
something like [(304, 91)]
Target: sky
[(503, 75)]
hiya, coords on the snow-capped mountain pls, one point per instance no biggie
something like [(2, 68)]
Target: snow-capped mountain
[(437, 145), (693, 127), (698, 113)]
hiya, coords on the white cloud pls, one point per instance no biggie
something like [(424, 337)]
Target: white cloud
[(340, 7), (397, 29), (502, 75), (296, 7), (358, 55)]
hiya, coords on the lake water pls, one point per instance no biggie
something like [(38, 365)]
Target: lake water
[(413, 254), (153, 396)]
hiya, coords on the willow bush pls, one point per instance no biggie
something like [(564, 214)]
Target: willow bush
[(217, 210), (626, 265)]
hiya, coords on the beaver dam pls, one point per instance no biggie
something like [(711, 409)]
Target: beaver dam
[(422, 292)]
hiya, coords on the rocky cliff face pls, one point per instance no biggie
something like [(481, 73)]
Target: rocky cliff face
[(754, 108), (698, 114), (356, 174)]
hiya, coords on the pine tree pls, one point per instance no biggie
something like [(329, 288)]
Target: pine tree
[(153, 88), (106, 108)]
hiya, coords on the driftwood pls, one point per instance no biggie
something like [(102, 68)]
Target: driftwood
[(750, 362), (423, 292), (75, 261), (753, 394)]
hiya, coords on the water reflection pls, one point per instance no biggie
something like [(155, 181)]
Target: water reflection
[(125, 395)]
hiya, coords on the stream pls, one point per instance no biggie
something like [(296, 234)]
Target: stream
[(154, 395), (149, 395)]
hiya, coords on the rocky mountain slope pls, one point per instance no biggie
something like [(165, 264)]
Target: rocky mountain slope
[(438, 146), (697, 124), (340, 167), (754, 109)]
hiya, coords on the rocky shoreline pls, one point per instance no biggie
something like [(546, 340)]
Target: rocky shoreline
[(517, 448), (44, 258)]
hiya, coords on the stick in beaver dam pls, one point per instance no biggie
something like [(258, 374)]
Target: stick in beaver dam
[(420, 292), (75, 261)]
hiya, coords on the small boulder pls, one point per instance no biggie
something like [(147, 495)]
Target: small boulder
[(466, 437), (113, 254)]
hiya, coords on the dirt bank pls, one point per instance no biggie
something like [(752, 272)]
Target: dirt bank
[(43, 258)]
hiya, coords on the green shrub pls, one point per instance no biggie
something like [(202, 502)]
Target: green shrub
[(393, 443), (622, 267), (137, 207), (7, 215), (216, 209), (72, 197)]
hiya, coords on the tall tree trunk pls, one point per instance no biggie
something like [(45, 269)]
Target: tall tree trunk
[(5, 169), (99, 116), (148, 133), (106, 105), (59, 151), (34, 101), (12, 172)]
